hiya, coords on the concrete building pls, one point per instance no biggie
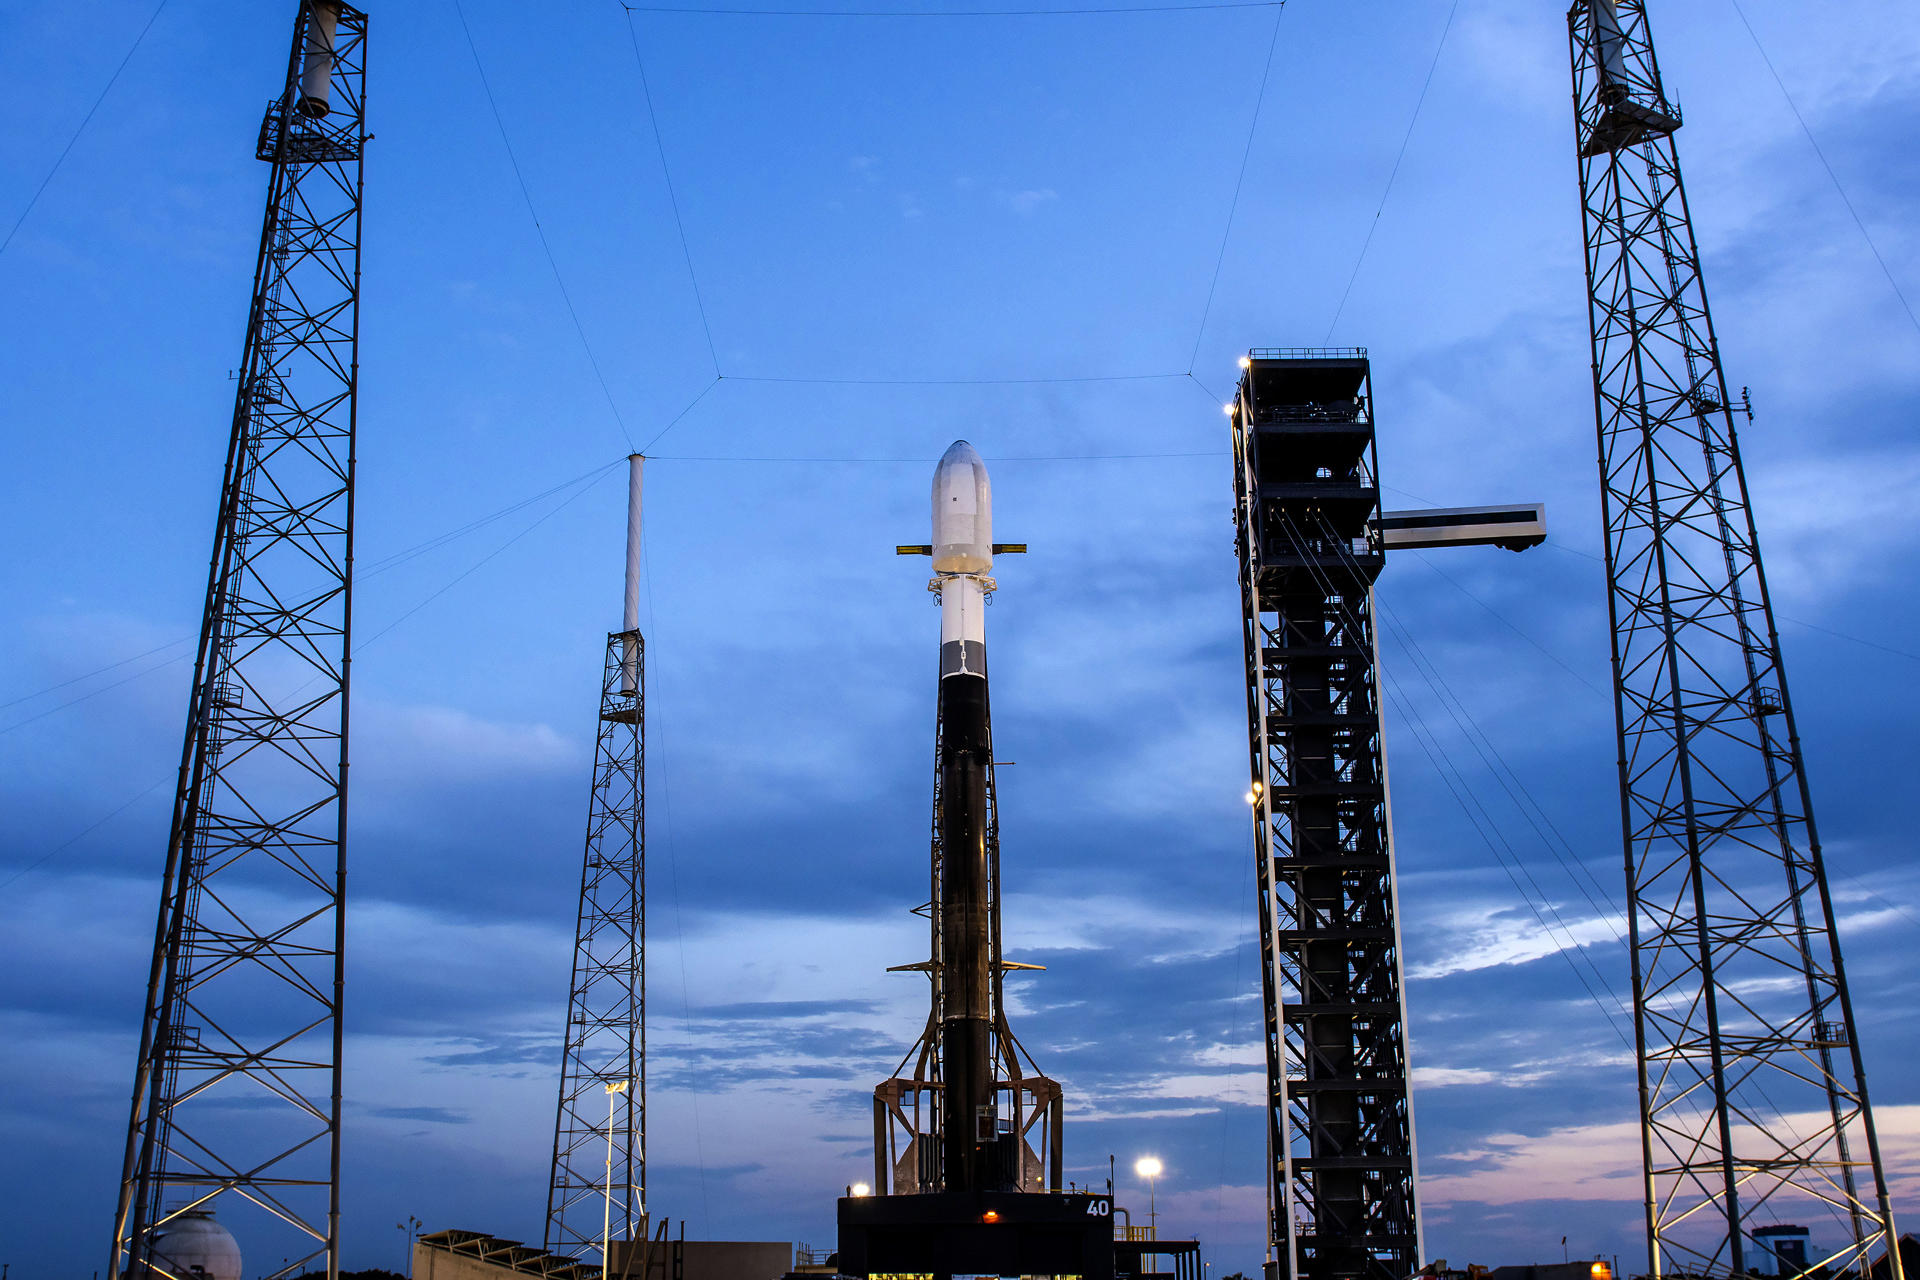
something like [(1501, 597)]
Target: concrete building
[(474, 1255), (1781, 1249)]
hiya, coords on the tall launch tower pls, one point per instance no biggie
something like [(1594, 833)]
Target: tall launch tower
[(1339, 1120), (236, 1092), (1342, 1191), (1753, 1100), (599, 1186)]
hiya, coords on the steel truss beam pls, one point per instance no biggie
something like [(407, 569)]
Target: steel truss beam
[(606, 1005), (236, 1097), (1340, 1130), (1753, 1101)]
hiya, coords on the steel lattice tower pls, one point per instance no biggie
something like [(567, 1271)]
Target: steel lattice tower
[(1339, 1119), (236, 1097), (599, 1182), (1753, 1101)]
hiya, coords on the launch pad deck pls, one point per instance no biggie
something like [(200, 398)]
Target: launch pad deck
[(978, 1233)]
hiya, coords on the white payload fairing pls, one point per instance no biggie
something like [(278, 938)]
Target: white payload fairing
[(962, 556)]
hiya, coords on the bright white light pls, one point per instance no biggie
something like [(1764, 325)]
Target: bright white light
[(1246, 362), (1227, 409), (862, 1189), (619, 1086), (1250, 797), (1147, 1166)]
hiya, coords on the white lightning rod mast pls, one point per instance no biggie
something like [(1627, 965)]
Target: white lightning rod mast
[(630, 619)]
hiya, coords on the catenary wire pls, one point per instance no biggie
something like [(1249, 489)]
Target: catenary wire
[(82, 127), (658, 749), (1456, 785), (1604, 907), (398, 558), (691, 404), (998, 460), (1833, 177), (1374, 224), (1798, 622), (1504, 621), (1841, 635), (1243, 914), (1436, 684), (1448, 775), (954, 382), (1779, 1113), (88, 675), (1406, 493), (88, 830), (1213, 397), (527, 195), (93, 693), (598, 473), (673, 197), (1239, 181), (1431, 676), (373, 569), (1430, 747), (404, 556), (477, 565), (1055, 12)]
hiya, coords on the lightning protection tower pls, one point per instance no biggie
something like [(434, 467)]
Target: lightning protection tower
[(599, 1186), (1753, 1102), (236, 1093)]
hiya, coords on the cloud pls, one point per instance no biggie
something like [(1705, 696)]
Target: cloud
[(1581, 1162), (1027, 202), (1449, 1077), (1603, 1162), (1156, 934), (413, 743), (543, 1051), (1497, 936), (430, 1115), (1831, 523), (781, 1010)]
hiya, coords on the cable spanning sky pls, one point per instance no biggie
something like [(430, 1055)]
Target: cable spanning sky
[(883, 236)]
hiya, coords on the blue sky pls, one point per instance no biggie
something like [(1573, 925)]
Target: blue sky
[(865, 199)]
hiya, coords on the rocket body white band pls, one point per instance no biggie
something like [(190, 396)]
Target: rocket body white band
[(963, 625)]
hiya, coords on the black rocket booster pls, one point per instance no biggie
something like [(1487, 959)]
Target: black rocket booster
[(962, 557)]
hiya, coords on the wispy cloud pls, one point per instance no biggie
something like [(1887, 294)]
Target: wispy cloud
[(1030, 200), (414, 742), (1492, 937)]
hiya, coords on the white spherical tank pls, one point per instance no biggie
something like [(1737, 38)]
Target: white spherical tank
[(193, 1244)]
